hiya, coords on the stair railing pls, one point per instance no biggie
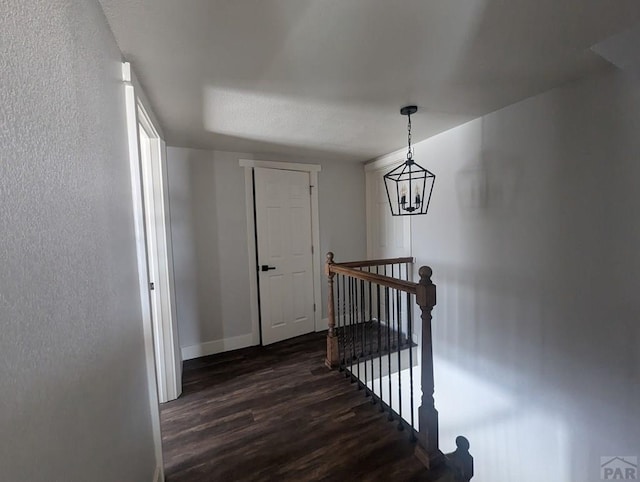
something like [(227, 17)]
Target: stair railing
[(371, 339)]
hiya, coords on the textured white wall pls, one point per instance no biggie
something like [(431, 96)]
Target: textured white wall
[(73, 404), (534, 236), (208, 226), (209, 233)]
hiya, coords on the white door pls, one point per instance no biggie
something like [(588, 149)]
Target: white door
[(285, 264)]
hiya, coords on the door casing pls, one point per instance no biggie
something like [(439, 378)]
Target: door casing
[(283, 234), (313, 169), (161, 335)]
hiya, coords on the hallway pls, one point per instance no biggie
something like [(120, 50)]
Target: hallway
[(276, 413)]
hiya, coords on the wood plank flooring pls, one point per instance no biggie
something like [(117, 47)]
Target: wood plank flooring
[(276, 413)]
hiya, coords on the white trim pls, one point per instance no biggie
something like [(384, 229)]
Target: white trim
[(252, 250), (165, 328), (142, 99), (315, 238), (158, 474), (145, 301), (287, 166), (126, 72), (323, 325), (313, 170), (145, 119), (217, 346), (388, 160)]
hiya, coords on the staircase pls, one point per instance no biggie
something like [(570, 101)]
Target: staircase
[(372, 306)]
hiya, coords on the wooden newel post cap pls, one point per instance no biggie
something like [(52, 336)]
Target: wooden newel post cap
[(327, 266), (425, 274)]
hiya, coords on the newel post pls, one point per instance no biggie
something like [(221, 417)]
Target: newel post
[(332, 339), (427, 449)]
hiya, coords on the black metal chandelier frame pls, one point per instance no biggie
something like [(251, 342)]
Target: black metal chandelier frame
[(409, 186)]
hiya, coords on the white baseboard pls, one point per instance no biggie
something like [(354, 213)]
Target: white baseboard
[(323, 324), (217, 346), (158, 476)]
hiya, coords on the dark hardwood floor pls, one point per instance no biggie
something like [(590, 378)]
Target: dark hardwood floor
[(276, 413)]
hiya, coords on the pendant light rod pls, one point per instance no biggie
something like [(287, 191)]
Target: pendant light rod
[(408, 110)]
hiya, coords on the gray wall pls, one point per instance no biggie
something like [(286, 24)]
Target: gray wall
[(209, 235), (534, 237), (209, 232), (342, 215), (74, 404)]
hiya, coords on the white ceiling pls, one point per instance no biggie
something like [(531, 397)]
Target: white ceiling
[(326, 78)]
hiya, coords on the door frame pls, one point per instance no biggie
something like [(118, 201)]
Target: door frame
[(165, 330), (163, 333), (143, 279), (252, 249), (137, 110)]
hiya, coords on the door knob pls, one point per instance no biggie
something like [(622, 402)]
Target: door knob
[(266, 267)]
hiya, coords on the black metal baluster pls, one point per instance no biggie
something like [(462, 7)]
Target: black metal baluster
[(357, 318), (337, 318), (350, 371), (379, 343), (388, 316), (392, 308), (387, 325), (399, 318), (345, 322), (370, 324), (354, 328), (345, 340), (364, 336), (343, 329), (410, 335), (362, 320)]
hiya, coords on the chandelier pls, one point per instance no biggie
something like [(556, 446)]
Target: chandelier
[(409, 186)]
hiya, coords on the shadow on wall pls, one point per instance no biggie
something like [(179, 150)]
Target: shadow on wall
[(535, 331), (491, 186)]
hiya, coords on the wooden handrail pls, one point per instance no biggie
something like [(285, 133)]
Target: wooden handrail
[(375, 262), (331, 269), (401, 285), (427, 449)]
